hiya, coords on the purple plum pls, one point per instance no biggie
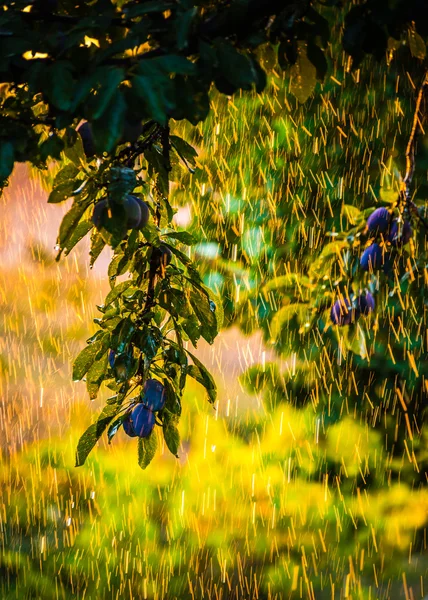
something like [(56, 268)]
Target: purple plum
[(365, 303), (85, 131), (343, 313), (373, 258), (133, 212), (144, 210), (400, 238), (153, 395), (139, 422), (378, 221)]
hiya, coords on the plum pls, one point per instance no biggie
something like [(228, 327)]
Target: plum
[(160, 256), (153, 395), (373, 258), (378, 221), (144, 210), (343, 313), (400, 238), (100, 214), (139, 422), (133, 212), (85, 131), (111, 358), (365, 303)]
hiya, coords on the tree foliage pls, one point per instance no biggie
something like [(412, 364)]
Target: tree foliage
[(132, 70)]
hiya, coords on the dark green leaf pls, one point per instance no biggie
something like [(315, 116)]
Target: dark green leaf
[(172, 437), (96, 375), (59, 84), (204, 311), (182, 236), (94, 432), (7, 158), (97, 246), (79, 233), (184, 149), (108, 79), (147, 449), (108, 129), (87, 357), (71, 220), (199, 372)]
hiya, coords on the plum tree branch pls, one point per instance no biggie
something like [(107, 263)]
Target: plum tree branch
[(417, 127)]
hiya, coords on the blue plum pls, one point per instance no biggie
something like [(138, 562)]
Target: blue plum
[(111, 358), (373, 259), (160, 256), (378, 221), (400, 238), (133, 212), (85, 131), (365, 303), (139, 422), (153, 395), (144, 210), (343, 313)]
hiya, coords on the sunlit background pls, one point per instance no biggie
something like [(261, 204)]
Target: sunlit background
[(250, 509)]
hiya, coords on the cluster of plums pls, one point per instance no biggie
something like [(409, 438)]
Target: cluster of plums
[(380, 222), (140, 420), (375, 257), (345, 312)]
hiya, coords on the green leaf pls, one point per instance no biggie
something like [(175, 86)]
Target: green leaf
[(97, 246), (108, 129), (285, 314), (147, 449), (183, 23), (199, 372), (95, 376), (417, 45), (87, 357), (75, 153), (205, 312), (7, 159), (109, 79), (61, 192), (53, 147), (182, 236), (78, 234), (149, 89), (59, 84), (115, 426), (71, 220), (94, 432), (184, 149), (303, 76), (235, 67), (172, 437), (117, 291), (65, 175), (152, 6)]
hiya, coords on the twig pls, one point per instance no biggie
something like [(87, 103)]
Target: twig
[(410, 150)]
